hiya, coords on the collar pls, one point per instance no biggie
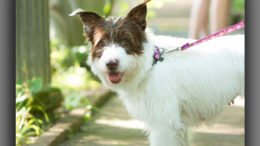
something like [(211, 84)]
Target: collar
[(157, 55)]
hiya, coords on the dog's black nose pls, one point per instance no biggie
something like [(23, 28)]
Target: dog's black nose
[(112, 64)]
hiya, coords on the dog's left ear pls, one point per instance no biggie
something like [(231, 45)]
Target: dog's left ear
[(138, 14), (89, 19)]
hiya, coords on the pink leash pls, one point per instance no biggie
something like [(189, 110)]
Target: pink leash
[(158, 54), (218, 34)]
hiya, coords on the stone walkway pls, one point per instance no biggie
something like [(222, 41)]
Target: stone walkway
[(111, 126)]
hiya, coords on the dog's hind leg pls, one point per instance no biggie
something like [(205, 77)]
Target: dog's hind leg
[(187, 137), (166, 136)]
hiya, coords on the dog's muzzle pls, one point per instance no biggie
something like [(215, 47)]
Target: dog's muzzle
[(114, 76)]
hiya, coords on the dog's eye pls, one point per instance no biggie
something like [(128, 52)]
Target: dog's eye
[(101, 44), (124, 43)]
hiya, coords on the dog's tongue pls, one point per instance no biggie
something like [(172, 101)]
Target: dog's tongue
[(115, 77)]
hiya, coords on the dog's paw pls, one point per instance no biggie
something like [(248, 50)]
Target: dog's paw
[(231, 102)]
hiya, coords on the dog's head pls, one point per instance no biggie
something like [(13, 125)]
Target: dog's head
[(116, 43)]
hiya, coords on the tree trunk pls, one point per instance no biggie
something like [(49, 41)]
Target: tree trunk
[(69, 30), (32, 40)]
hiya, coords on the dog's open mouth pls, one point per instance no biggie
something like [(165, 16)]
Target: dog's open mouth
[(115, 77)]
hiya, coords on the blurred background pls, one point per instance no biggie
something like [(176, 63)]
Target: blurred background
[(52, 76)]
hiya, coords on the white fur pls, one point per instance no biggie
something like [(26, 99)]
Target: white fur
[(186, 89)]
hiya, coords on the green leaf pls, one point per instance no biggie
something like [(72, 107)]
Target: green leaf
[(107, 7), (36, 85), (18, 86), (19, 83), (87, 116), (42, 110)]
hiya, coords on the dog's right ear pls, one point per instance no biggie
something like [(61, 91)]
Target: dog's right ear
[(88, 19)]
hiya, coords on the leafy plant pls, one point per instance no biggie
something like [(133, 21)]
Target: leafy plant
[(75, 100), (238, 11), (27, 125), (71, 73), (107, 7), (63, 57)]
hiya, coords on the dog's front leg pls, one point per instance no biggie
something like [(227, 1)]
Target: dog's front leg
[(168, 136)]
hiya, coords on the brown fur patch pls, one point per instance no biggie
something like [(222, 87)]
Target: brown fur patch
[(125, 33)]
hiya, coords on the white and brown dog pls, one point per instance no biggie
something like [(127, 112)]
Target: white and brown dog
[(185, 89)]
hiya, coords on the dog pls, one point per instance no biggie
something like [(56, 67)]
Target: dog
[(185, 89)]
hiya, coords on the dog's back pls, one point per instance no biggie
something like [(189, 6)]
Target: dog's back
[(204, 78)]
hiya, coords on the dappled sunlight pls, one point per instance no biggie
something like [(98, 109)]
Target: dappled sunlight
[(217, 139), (74, 80), (83, 49), (78, 111), (54, 132), (221, 128), (77, 77), (239, 101), (133, 124), (99, 140)]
